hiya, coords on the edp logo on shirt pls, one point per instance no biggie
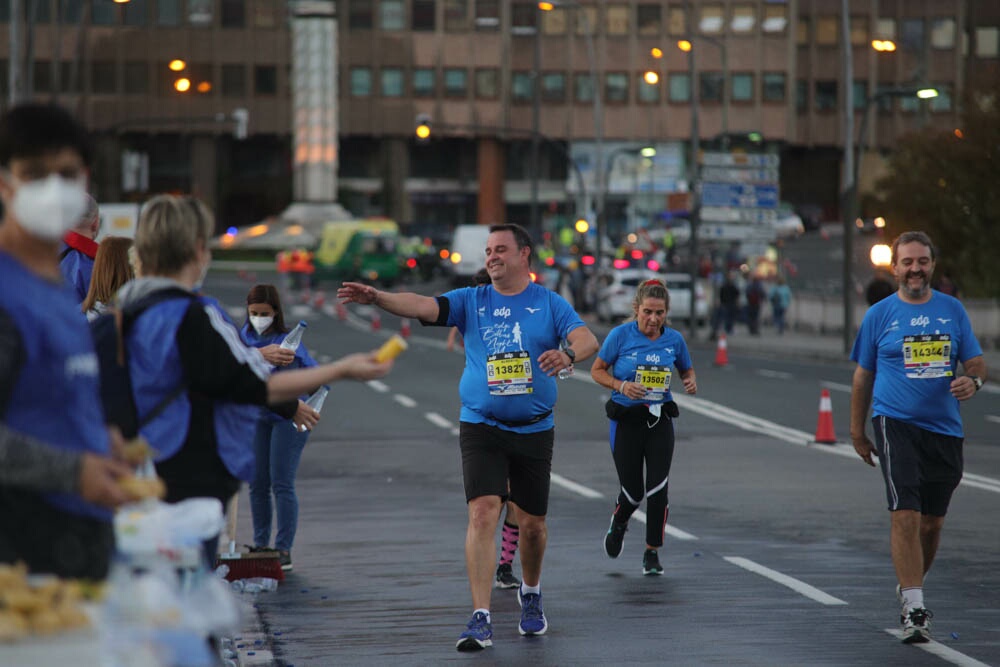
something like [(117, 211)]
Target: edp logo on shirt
[(501, 312), (84, 365), (921, 321), (653, 358)]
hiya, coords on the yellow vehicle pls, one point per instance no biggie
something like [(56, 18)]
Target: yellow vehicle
[(359, 250)]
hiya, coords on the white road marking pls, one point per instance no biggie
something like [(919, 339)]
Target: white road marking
[(378, 386), (777, 375), (324, 358), (991, 388), (675, 533), (941, 651), (405, 401), (298, 311), (237, 313), (993, 418), (836, 386), (800, 587), (570, 485), (438, 420)]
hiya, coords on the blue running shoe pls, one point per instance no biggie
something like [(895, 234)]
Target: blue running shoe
[(532, 617), (478, 634)]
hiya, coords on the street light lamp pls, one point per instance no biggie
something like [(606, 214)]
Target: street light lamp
[(882, 45)]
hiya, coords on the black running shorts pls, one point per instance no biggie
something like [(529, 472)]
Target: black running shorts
[(921, 468), (491, 456)]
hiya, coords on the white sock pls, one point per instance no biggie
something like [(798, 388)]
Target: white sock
[(485, 611), (537, 590), (913, 598)]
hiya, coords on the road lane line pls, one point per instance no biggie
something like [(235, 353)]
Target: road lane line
[(378, 386), (836, 386), (676, 533), (438, 420), (993, 418), (991, 388), (580, 489), (942, 651), (405, 401), (776, 375), (800, 587)]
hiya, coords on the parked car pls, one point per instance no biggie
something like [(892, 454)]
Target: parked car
[(870, 225), (788, 224), (679, 286), (616, 290)]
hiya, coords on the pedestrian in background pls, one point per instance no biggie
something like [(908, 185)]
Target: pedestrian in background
[(755, 293), (518, 335), (907, 350), (780, 298), (187, 359), (80, 249), (49, 391), (636, 363), (112, 269), (277, 442), (729, 303)]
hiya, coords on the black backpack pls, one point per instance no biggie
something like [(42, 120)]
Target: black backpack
[(109, 331)]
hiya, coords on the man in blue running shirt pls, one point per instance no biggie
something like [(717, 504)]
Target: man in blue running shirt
[(908, 349), (518, 336)]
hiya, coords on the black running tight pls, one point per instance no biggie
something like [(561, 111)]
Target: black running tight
[(645, 443)]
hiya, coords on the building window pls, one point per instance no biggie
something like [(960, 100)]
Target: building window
[(168, 12), (456, 15), (71, 76), (392, 82), (456, 82), (135, 13), (523, 18), (616, 17), (136, 77), (263, 15), (987, 42), (909, 104), (233, 13), (4, 65), (775, 18), (361, 82), (712, 19), (826, 96), (102, 77), (860, 92), (943, 33), (521, 86), (423, 82), (555, 22), (742, 88), (487, 83), (101, 14), (265, 80), (802, 31), (679, 87), (586, 20), (859, 30), (647, 93), (42, 9), (827, 30), (487, 14), (885, 28), (616, 87), (554, 87), (42, 76), (234, 80), (583, 88), (710, 86), (801, 95), (647, 19), (911, 35), (69, 13), (773, 87), (744, 18), (391, 15), (676, 22), (359, 15), (943, 101), (423, 15)]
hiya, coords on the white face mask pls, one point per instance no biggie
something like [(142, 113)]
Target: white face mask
[(50, 207), (260, 324)]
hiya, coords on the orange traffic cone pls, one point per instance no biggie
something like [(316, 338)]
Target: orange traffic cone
[(376, 322), (722, 351), (341, 311), (404, 327), (824, 425)]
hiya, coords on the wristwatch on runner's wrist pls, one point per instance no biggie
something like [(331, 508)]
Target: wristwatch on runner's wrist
[(976, 380), (564, 346)]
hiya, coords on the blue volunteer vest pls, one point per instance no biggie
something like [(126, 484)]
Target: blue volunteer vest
[(155, 371), (56, 395)]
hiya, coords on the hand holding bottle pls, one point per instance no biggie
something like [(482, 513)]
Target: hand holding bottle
[(305, 418), (277, 355)]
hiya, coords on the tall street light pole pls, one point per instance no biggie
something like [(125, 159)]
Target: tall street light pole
[(599, 182), (848, 191), (695, 203), (536, 104)]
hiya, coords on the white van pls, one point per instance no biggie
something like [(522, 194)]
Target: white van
[(469, 246)]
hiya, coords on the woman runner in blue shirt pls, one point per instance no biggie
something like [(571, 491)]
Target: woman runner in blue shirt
[(636, 362)]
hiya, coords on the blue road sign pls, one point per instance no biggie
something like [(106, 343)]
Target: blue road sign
[(739, 194)]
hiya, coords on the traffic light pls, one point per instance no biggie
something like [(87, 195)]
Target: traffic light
[(423, 127)]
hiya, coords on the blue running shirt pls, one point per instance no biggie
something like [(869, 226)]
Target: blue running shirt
[(632, 356), (913, 350), (504, 336)]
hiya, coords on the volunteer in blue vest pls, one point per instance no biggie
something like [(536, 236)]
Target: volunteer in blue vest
[(204, 436), (278, 441), (54, 515), (80, 250), (636, 363), (518, 336), (908, 349)]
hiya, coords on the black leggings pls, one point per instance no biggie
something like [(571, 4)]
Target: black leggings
[(634, 442)]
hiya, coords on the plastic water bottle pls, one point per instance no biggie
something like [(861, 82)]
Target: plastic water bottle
[(316, 402), (293, 339), (565, 372)]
